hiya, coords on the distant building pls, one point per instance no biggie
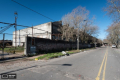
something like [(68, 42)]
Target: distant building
[(6, 43), (47, 30)]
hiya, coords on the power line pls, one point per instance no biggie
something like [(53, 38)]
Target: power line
[(12, 24), (32, 10), (7, 27), (7, 23), (22, 26)]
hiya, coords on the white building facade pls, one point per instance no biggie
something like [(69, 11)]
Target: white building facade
[(41, 31)]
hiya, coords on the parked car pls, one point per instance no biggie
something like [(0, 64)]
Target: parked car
[(113, 46)]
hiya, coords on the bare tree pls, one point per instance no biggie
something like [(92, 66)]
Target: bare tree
[(63, 30), (113, 9), (81, 27), (75, 19), (114, 33), (67, 32), (88, 29)]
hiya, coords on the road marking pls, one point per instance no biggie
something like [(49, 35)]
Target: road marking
[(105, 67), (98, 76)]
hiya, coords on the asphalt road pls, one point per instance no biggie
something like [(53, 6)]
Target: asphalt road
[(98, 64)]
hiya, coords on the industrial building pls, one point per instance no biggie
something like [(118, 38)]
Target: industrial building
[(47, 30)]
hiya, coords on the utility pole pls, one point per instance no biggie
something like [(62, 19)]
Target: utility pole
[(15, 28), (19, 37), (32, 31), (3, 46)]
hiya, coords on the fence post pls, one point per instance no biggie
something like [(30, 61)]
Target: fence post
[(25, 46), (3, 46)]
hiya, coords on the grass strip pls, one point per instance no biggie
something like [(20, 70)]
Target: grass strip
[(57, 54), (12, 49)]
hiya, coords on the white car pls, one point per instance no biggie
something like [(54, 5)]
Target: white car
[(113, 46)]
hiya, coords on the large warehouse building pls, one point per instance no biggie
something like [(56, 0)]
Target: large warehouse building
[(47, 30)]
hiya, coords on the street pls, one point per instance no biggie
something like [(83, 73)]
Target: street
[(97, 64)]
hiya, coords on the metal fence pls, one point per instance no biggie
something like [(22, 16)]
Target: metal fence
[(6, 48)]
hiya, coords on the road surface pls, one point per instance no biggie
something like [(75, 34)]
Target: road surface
[(97, 64)]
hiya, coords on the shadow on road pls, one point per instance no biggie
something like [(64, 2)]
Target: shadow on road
[(62, 64), (66, 64)]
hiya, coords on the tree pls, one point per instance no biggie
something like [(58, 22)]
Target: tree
[(75, 19), (88, 29), (113, 9), (67, 32), (80, 27), (114, 33)]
